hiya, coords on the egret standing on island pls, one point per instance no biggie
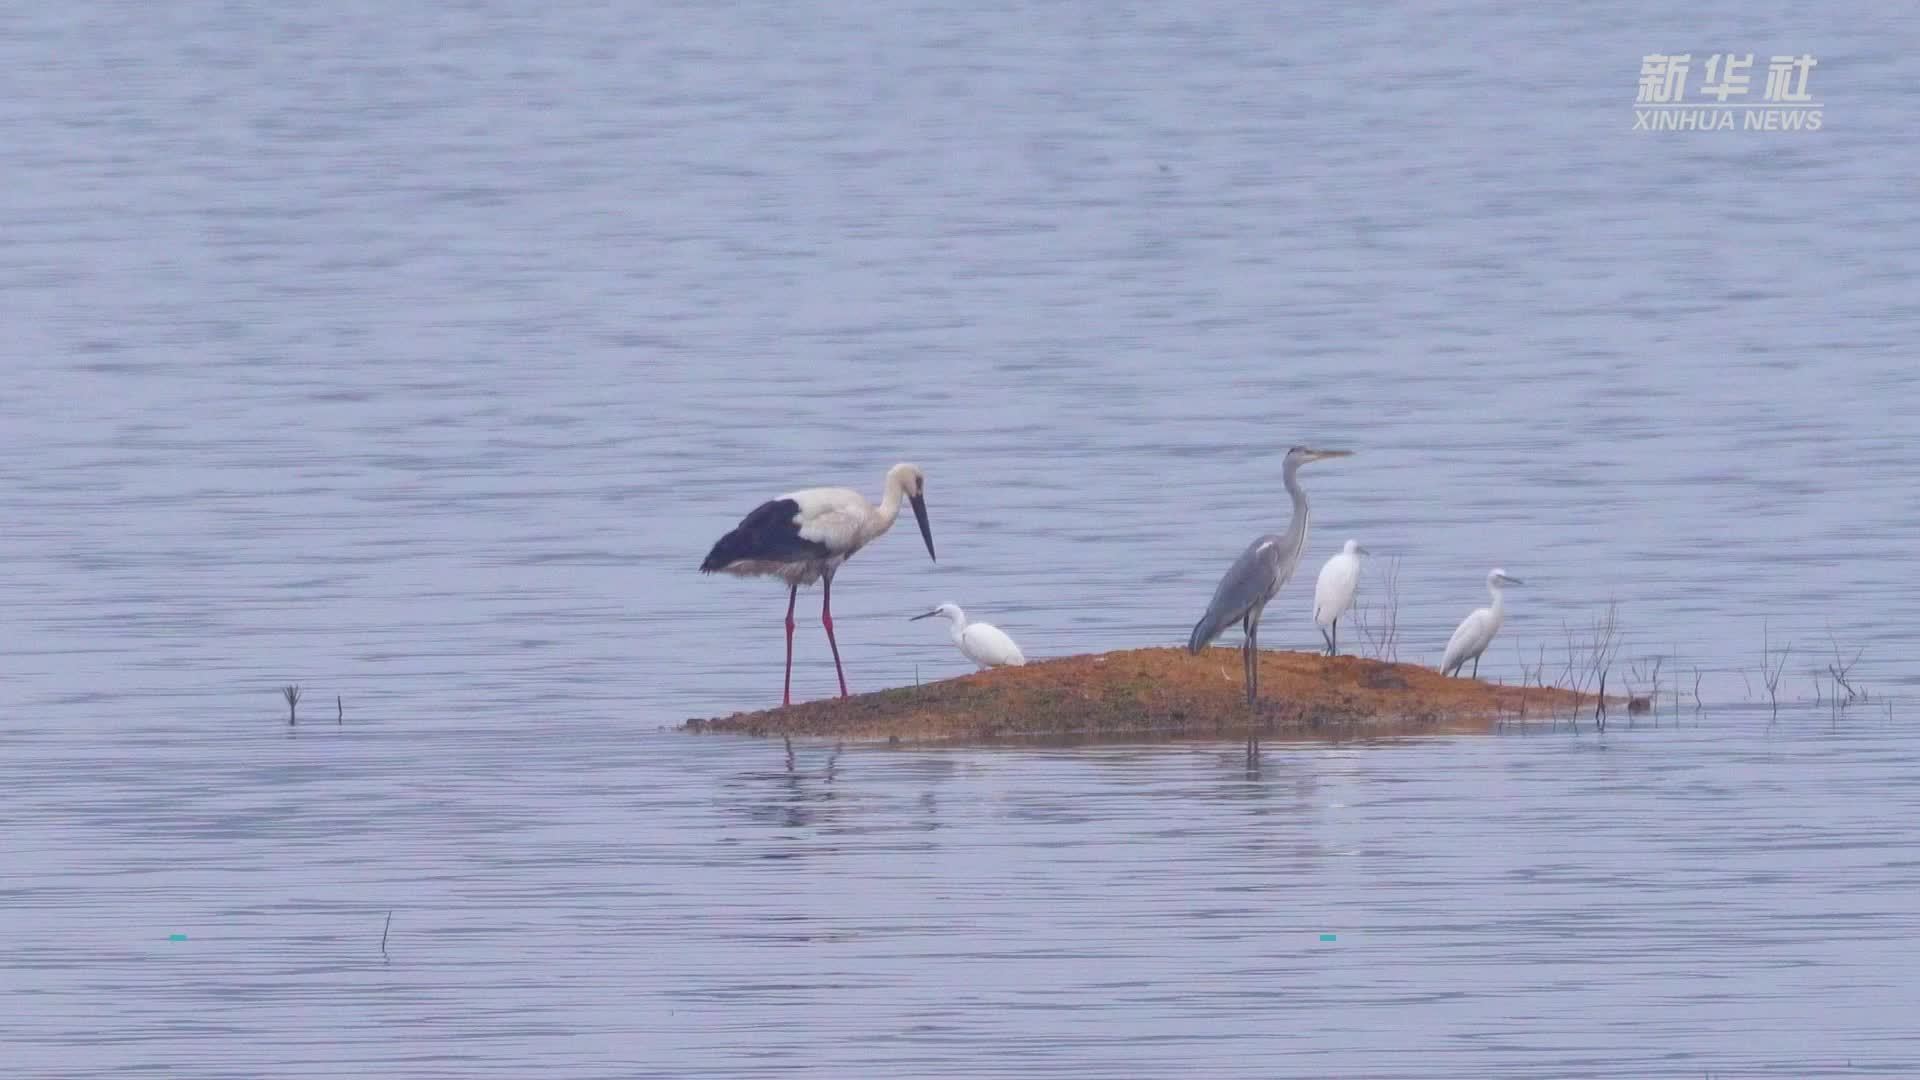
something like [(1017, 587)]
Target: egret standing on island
[(1259, 573), (1333, 593), (804, 536), (1476, 631), (979, 642)]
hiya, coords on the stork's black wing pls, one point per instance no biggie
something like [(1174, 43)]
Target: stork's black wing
[(769, 533)]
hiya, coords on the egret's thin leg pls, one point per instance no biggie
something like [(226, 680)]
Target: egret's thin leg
[(1335, 643), (826, 620), (786, 688), (1476, 665)]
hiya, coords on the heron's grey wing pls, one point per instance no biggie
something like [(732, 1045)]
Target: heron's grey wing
[(1248, 583)]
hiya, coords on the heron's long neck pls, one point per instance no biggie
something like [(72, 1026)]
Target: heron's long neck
[(959, 622), (1297, 528), (1499, 602)]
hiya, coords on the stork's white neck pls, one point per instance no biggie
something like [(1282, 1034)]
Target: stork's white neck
[(888, 510)]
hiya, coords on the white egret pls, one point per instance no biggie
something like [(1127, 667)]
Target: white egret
[(1476, 631), (804, 536), (980, 642), (1259, 573), (1333, 593)]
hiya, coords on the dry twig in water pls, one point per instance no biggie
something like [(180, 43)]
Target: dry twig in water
[(1842, 671), (1769, 669)]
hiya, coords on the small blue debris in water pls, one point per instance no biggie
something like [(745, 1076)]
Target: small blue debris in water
[(1329, 937), (176, 937)]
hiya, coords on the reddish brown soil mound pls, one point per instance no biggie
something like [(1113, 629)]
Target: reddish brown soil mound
[(1165, 692)]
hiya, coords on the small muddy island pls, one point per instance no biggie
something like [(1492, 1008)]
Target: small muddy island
[(1167, 692)]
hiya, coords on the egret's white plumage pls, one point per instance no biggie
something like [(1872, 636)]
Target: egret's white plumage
[(1333, 593), (804, 536), (982, 643), (1476, 631)]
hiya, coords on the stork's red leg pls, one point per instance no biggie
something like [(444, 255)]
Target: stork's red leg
[(786, 688), (826, 620)]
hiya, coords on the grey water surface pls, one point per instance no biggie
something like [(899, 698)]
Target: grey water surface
[(416, 354)]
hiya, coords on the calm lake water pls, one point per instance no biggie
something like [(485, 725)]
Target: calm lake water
[(417, 357)]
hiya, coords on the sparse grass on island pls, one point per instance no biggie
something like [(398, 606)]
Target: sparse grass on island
[(1166, 692)]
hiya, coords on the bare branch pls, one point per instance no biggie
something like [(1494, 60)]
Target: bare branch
[(1380, 626), (1769, 669)]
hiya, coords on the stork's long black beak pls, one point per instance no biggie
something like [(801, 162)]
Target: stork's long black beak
[(920, 515)]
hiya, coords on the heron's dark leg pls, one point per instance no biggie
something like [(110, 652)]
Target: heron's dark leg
[(1253, 659), (1246, 656), (1253, 690), (826, 620), (786, 688), (1328, 641), (1476, 665), (1334, 643)]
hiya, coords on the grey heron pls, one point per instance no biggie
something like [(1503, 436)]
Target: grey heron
[(1259, 573), (804, 536), (1333, 592), (982, 643), (1476, 631)]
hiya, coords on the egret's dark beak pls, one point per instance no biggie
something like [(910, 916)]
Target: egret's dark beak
[(1322, 455), (926, 531), (928, 615)]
